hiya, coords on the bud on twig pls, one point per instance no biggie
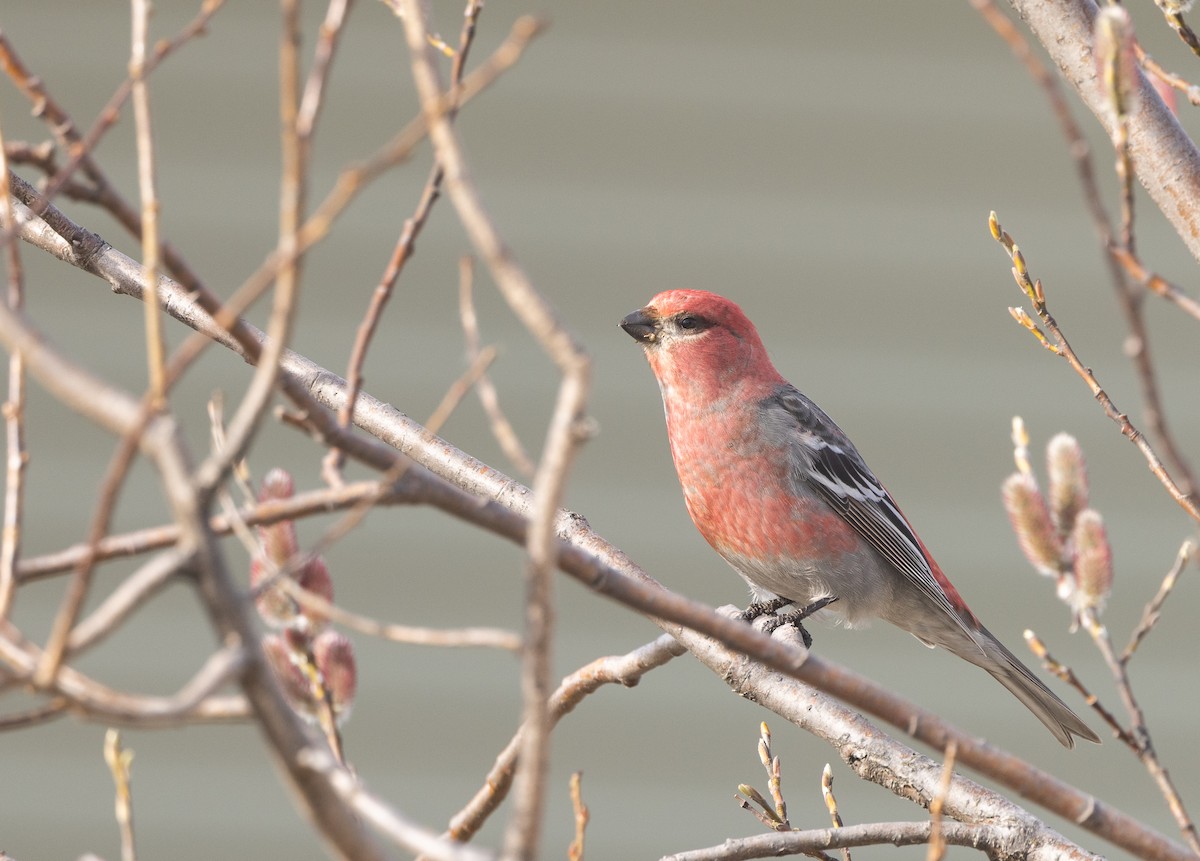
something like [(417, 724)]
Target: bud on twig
[(1093, 562), (333, 672), (281, 549), (278, 539), (1116, 61), (334, 655), (1031, 521), (1068, 481), (314, 577), (1020, 439)]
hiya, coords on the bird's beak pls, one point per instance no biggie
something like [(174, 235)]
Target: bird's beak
[(641, 326)]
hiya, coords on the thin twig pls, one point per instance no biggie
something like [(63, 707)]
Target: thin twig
[(14, 406), (55, 708), (455, 638), (403, 250), (774, 771), (772, 814), (1066, 674), (143, 127), (937, 843), (220, 442), (328, 39), (77, 589), (1140, 730), (1156, 284), (831, 804), (1077, 145), (119, 760), (134, 592), (624, 670), (1152, 67), (575, 850), (502, 429), (1174, 18), (195, 305), (195, 701), (323, 696), (307, 504), (80, 149), (1153, 611)]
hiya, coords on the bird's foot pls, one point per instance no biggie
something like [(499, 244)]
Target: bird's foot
[(763, 608), (797, 616)]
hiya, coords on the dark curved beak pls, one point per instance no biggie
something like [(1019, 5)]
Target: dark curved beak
[(640, 326)]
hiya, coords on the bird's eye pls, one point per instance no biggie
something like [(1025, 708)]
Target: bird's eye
[(689, 322)]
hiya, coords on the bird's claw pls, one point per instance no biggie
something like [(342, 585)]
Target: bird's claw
[(794, 618), (763, 608)]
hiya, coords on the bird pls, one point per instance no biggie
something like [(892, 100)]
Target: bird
[(780, 491)]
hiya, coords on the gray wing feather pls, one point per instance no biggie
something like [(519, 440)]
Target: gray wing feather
[(839, 474)]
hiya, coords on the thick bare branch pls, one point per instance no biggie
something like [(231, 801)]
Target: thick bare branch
[(994, 841)]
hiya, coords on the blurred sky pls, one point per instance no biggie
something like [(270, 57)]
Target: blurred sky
[(830, 167)]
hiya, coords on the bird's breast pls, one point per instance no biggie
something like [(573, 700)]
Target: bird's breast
[(742, 496)]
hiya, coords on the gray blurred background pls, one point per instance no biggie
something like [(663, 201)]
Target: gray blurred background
[(830, 167)]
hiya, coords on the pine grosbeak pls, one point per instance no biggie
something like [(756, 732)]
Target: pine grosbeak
[(782, 494)]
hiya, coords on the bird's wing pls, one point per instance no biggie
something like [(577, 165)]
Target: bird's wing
[(839, 474)]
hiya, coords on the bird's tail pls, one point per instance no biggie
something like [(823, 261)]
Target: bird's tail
[(1025, 686)]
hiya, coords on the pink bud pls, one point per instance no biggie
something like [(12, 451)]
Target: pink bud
[(279, 542), (334, 655), (1093, 561), (281, 548), (314, 577), (277, 484), (279, 539), (1067, 469), (1036, 534)]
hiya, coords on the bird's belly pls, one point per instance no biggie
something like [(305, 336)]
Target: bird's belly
[(795, 547)]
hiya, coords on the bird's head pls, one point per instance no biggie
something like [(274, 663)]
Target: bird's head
[(695, 338)]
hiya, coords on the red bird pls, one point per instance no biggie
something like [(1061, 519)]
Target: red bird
[(783, 495)]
